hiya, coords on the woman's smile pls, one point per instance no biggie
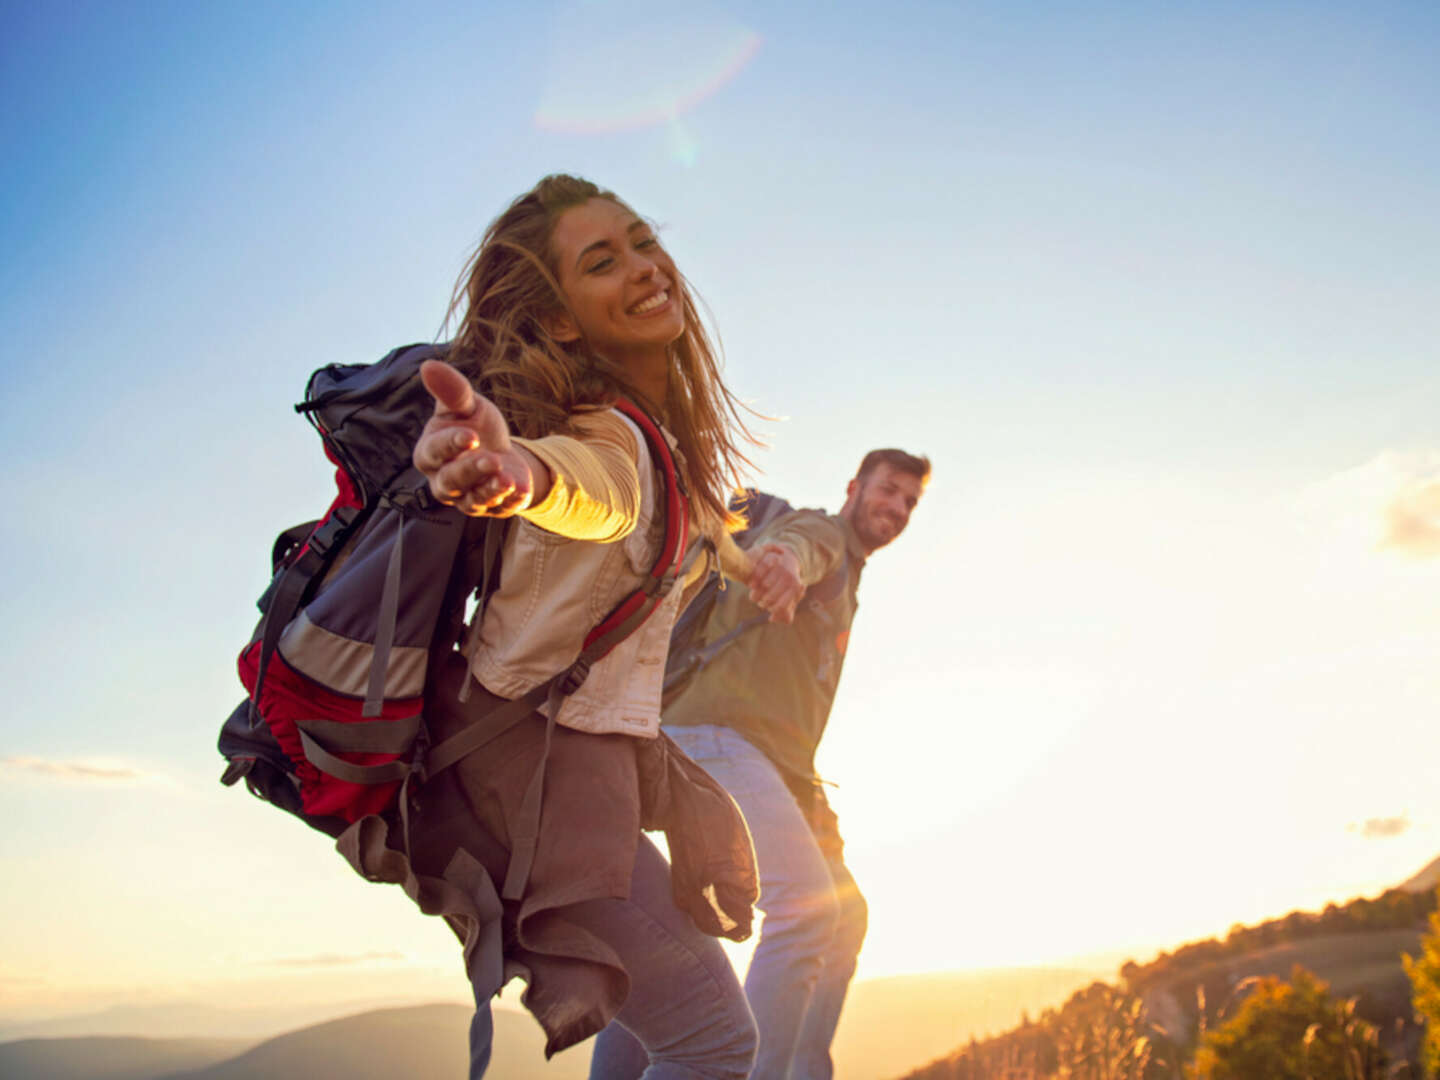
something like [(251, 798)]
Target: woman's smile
[(651, 303)]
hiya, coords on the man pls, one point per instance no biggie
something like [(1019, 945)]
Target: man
[(753, 717)]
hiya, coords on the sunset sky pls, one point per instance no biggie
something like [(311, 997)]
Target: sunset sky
[(1157, 288)]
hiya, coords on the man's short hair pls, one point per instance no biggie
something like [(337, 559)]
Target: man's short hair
[(916, 465)]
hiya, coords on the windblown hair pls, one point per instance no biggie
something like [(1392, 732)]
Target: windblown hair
[(507, 289), (917, 465)]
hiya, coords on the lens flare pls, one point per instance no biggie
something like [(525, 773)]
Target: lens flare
[(615, 65)]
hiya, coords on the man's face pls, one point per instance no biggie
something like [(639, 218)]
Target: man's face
[(878, 507)]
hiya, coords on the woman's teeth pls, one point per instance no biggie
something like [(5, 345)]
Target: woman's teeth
[(651, 304)]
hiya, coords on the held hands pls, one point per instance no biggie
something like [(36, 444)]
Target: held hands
[(465, 450), (775, 584)]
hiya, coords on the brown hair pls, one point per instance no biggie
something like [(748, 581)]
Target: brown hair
[(508, 287), (917, 465)]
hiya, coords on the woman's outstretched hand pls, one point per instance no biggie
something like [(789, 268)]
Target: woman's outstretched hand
[(466, 454), (775, 583)]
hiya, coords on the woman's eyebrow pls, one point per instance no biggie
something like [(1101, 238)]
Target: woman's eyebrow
[(637, 224), (589, 248)]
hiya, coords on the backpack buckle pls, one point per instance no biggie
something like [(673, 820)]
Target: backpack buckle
[(323, 538), (573, 678)]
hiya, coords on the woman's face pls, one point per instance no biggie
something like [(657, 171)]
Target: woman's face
[(624, 291)]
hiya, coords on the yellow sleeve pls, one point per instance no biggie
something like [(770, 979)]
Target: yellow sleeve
[(595, 479)]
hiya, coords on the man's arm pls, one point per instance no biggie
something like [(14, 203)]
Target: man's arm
[(798, 550)]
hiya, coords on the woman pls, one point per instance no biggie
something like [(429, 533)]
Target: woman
[(570, 303)]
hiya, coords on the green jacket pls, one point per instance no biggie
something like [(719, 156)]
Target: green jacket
[(775, 683)]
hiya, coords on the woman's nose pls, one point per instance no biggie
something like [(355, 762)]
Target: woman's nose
[(643, 267)]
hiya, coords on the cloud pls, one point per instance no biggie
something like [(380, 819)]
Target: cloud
[(77, 771), (331, 960), (1381, 827), (1390, 503), (1412, 520)]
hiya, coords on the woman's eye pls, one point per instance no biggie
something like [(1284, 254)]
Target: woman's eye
[(647, 241), (600, 265)]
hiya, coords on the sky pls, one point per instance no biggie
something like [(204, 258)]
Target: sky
[(1156, 287)]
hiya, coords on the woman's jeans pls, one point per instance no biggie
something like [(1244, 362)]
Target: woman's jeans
[(815, 920), (686, 1014)]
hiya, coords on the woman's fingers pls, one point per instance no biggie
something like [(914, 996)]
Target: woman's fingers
[(453, 394), (465, 450), (437, 447), (483, 482)]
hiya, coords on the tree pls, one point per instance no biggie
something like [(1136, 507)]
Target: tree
[(1291, 1031), (1424, 972)]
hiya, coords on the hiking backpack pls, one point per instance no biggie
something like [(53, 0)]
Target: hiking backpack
[(689, 653), (367, 600)]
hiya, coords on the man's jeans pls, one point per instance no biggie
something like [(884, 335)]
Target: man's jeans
[(685, 1003), (814, 922)]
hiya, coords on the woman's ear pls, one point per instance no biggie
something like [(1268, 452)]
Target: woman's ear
[(560, 325)]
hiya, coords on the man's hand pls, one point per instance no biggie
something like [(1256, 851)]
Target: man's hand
[(465, 450), (775, 583)]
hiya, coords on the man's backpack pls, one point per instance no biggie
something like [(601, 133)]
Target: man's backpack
[(689, 652), (367, 600)]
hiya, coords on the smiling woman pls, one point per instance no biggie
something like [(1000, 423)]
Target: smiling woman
[(576, 325), (622, 290)]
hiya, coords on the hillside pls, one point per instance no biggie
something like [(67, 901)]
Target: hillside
[(423, 1042), (889, 1024), (1363, 965), (904, 1021), (1427, 880), (1356, 948), (108, 1058), (181, 1019)]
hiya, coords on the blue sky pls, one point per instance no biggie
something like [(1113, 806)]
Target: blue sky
[(1157, 288)]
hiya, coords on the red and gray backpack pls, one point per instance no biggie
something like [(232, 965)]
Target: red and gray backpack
[(366, 601)]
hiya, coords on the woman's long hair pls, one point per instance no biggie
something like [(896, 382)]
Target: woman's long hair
[(508, 288)]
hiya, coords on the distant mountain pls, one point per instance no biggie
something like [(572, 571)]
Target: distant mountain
[(192, 1020), (1426, 880), (894, 1024), (423, 1042), (889, 1025), (104, 1058)]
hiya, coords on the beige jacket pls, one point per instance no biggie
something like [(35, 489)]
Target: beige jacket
[(570, 559)]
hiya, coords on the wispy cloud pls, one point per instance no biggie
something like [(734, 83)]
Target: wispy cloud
[(1381, 827), (1391, 501), (75, 771), (1412, 520), (331, 960)]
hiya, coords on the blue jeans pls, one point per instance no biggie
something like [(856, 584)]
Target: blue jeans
[(686, 1012), (815, 920)]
